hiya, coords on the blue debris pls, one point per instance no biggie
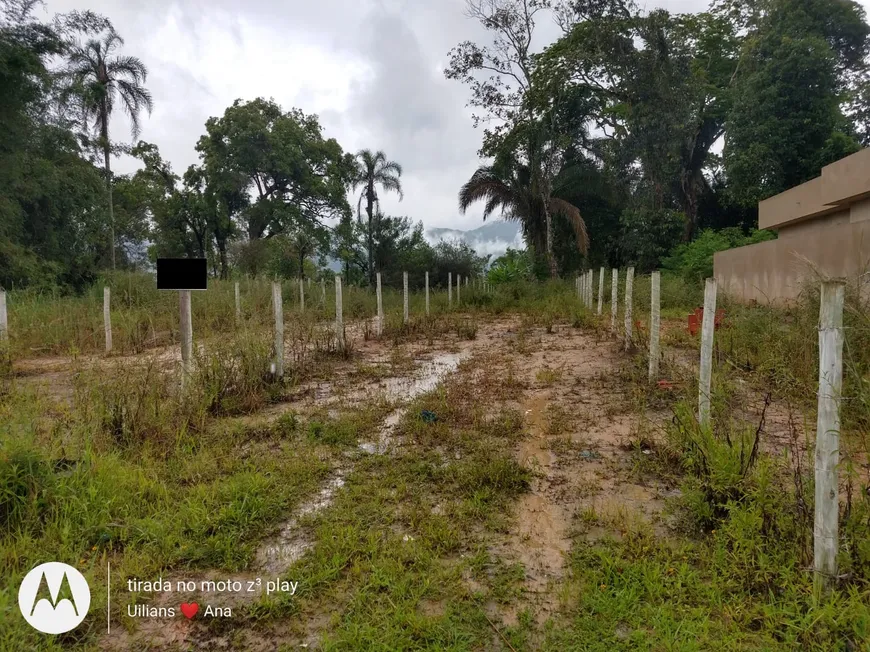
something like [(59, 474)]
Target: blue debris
[(428, 416)]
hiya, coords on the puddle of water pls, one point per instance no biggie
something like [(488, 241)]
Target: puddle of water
[(406, 389), (292, 542)]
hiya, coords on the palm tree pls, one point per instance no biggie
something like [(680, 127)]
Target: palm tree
[(374, 170), (99, 80), (510, 189)]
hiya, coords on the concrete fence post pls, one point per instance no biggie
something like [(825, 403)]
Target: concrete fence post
[(186, 333), (614, 300), (629, 324), (591, 289), (107, 317), (427, 294), (827, 502), (405, 296), (449, 289), (238, 303), (380, 323), (458, 284), (466, 281), (655, 316), (301, 296), (4, 319), (278, 311), (339, 313), (323, 292), (600, 291), (708, 326)]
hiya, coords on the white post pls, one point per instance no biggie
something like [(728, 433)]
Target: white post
[(449, 289), (458, 281), (589, 285), (278, 309), (238, 304), (405, 295), (339, 314), (4, 321), (655, 316), (629, 325), (466, 281), (614, 300), (827, 502), (301, 296), (107, 317), (186, 328), (427, 294), (600, 290), (323, 291), (380, 305), (707, 327)]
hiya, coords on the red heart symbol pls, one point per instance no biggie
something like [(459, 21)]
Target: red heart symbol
[(189, 609)]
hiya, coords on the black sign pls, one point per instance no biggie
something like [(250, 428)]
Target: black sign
[(182, 274)]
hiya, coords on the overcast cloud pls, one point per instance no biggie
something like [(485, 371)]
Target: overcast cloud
[(371, 69)]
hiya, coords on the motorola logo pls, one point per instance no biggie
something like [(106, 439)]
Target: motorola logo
[(54, 598)]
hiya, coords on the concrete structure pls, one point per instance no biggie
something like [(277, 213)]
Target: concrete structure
[(824, 231)]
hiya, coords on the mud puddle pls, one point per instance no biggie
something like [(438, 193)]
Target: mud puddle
[(405, 390)]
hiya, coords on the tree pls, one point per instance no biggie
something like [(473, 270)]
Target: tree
[(374, 170), (657, 85), (99, 79), (507, 186), (504, 96), (800, 68), (49, 216), (283, 160)]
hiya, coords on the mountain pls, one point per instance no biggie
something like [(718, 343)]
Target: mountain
[(493, 238)]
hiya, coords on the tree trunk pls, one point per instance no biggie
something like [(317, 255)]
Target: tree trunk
[(690, 205), (222, 248), (104, 133), (551, 258)]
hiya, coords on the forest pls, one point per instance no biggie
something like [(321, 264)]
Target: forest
[(638, 137)]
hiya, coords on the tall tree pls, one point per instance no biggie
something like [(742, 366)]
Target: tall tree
[(508, 187), (100, 79), (659, 87), (273, 173), (802, 65), (501, 76), (374, 170)]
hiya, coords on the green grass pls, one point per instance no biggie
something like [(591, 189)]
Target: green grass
[(136, 472)]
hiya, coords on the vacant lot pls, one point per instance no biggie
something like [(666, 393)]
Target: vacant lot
[(499, 475)]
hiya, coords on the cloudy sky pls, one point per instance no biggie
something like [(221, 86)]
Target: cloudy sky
[(371, 69)]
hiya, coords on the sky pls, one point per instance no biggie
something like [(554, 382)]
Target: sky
[(373, 71)]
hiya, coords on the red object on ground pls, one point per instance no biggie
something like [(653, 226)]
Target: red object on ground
[(697, 318), (665, 384)]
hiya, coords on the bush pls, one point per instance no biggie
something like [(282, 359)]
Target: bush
[(694, 260)]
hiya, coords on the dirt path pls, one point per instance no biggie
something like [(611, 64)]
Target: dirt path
[(581, 426)]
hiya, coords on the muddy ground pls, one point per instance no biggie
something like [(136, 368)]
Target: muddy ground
[(585, 437)]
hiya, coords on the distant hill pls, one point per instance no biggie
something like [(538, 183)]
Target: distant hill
[(493, 238)]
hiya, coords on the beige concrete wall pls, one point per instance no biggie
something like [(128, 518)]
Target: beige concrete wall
[(774, 271), (841, 182)]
